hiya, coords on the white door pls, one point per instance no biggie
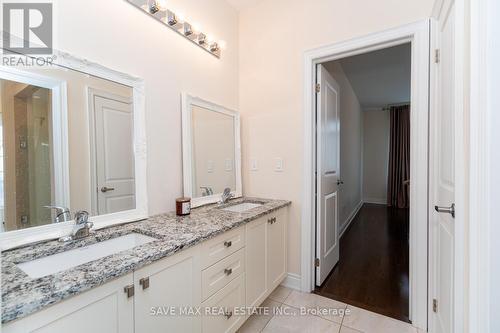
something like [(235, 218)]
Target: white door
[(327, 171), (115, 163), (443, 176)]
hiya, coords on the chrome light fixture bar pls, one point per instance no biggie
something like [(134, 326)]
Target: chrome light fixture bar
[(157, 10)]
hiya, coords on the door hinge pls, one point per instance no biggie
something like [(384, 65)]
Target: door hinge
[(318, 88), (316, 262), (436, 56), (435, 305)]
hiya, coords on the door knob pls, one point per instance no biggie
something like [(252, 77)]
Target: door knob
[(450, 210), (105, 189)]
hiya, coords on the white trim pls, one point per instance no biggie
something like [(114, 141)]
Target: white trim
[(375, 201), (292, 281), (187, 103), (350, 218), (20, 237), (418, 35), (483, 97)]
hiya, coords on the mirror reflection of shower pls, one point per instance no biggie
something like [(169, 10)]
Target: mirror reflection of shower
[(26, 177)]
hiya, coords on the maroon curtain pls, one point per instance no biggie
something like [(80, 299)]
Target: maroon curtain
[(399, 158)]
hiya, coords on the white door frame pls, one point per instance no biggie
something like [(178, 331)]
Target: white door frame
[(483, 159), (418, 34)]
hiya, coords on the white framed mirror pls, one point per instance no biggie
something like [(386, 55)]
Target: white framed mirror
[(211, 150), (72, 138)]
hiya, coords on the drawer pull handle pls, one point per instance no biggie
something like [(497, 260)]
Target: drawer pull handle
[(228, 271), (129, 290), (228, 314), (144, 282), (271, 220), (228, 243)]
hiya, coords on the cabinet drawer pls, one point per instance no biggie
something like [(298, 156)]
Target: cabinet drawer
[(218, 275), (222, 246), (229, 297)]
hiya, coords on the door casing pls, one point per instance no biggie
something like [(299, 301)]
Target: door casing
[(418, 35)]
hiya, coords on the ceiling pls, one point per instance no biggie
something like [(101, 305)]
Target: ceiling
[(380, 77), (242, 4)]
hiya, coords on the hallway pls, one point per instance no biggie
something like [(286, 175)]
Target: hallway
[(374, 262)]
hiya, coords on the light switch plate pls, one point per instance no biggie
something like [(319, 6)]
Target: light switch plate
[(254, 165), (228, 164), (210, 166), (278, 164)]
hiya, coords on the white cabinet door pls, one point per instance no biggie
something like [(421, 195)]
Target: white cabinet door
[(100, 310), (164, 289), (256, 261), (276, 249)]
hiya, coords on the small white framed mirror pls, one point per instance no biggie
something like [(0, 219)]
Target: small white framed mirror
[(211, 150)]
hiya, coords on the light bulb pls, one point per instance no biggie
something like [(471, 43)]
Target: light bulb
[(162, 4), (196, 27), (181, 17)]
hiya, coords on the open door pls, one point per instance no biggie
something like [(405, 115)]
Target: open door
[(443, 176), (327, 174)]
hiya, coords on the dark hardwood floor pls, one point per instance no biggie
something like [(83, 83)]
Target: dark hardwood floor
[(372, 272)]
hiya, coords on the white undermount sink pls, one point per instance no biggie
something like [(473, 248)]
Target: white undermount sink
[(242, 207), (65, 260)]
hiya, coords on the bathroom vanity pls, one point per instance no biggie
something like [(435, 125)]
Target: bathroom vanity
[(80, 251), (215, 259)]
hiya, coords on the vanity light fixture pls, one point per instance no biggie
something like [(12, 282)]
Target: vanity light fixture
[(214, 47), (158, 10), (202, 38), (171, 18), (188, 29)]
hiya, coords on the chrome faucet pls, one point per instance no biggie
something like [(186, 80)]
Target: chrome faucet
[(206, 191), (82, 227), (226, 195), (62, 213)]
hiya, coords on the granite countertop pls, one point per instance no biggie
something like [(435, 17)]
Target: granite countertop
[(22, 295)]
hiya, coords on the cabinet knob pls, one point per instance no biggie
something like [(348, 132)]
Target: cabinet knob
[(228, 243), (144, 282), (228, 314), (272, 220), (129, 290), (228, 271)]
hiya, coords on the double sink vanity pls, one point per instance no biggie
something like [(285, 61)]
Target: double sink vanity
[(80, 251), (140, 276)]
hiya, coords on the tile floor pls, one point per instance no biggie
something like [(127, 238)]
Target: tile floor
[(285, 315)]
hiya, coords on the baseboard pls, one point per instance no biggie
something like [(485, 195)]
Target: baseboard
[(292, 281), (377, 201), (349, 219)]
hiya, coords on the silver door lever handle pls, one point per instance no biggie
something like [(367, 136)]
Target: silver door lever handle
[(449, 210), (105, 189)]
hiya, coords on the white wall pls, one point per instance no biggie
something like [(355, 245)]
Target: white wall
[(117, 35), (273, 37), (376, 133), (351, 142)]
